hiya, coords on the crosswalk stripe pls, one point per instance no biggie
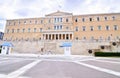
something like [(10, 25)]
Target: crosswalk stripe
[(99, 69), (22, 70)]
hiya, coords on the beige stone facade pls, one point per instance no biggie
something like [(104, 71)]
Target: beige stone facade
[(60, 27)]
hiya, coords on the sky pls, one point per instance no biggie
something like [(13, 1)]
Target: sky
[(16, 9)]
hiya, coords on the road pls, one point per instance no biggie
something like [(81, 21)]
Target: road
[(59, 67)]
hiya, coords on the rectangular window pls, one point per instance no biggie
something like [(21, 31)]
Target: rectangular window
[(55, 20), (90, 19), (49, 21), (113, 17), (34, 29), (40, 29), (12, 30), (99, 27), (35, 21), (76, 28), (60, 19), (28, 29), (83, 19), (92, 38), (14, 23), (67, 28), (7, 30), (60, 26), (84, 38), (18, 22), (76, 20), (98, 19), (66, 19), (107, 28), (23, 30), (55, 27), (105, 18), (91, 28), (18, 30), (30, 22), (41, 21), (84, 28), (9, 23), (115, 27), (24, 22)]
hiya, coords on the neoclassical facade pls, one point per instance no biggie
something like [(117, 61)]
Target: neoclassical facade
[(64, 26)]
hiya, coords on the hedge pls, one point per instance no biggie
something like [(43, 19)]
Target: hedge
[(107, 54)]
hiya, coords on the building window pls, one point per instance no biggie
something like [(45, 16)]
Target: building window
[(18, 22), (76, 28), (90, 19), (18, 30), (34, 29), (23, 30), (55, 27), (40, 29), (60, 27), (14, 23), (12, 30), (98, 19), (100, 38), (67, 28), (83, 19), (91, 28), (113, 17), (9, 23), (41, 21), (7, 30), (28, 29), (67, 20), (55, 20), (107, 28), (24, 22), (99, 27), (92, 38), (35, 21), (84, 28), (115, 27), (84, 38), (30, 22), (60, 19), (76, 20), (105, 18), (48, 28), (108, 38), (76, 38), (117, 37)]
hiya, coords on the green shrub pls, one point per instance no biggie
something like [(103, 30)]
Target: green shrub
[(107, 54)]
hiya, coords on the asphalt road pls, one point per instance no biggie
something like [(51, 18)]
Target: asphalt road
[(59, 67)]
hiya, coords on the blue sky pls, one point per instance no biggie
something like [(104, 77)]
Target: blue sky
[(15, 9)]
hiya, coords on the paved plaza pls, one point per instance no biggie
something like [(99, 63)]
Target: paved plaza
[(35, 66)]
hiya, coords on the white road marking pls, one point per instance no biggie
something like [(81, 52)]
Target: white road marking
[(107, 61), (115, 59), (22, 70), (99, 69)]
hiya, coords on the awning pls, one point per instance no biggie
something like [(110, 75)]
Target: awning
[(66, 44), (7, 44)]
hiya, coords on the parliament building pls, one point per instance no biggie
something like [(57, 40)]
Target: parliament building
[(84, 32)]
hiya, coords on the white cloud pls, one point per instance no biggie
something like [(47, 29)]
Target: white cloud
[(12, 9)]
